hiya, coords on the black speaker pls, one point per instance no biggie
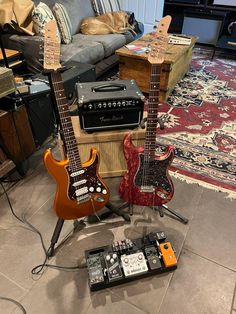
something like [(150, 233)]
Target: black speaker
[(76, 72), (41, 116), (39, 105), (73, 72)]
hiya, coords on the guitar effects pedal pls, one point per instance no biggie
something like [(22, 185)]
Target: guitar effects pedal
[(127, 260), (168, 254)]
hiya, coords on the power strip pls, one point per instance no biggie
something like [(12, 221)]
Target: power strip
[(129, 260)]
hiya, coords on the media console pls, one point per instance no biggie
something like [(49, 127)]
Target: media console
[(206, 14)]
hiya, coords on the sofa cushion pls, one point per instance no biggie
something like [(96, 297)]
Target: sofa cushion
[(104, 6), (63, 22), (110, 42), (40, 16), (82, 51), (76, 9)]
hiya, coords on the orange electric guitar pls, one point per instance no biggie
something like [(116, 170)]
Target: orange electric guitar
[(80, 190)]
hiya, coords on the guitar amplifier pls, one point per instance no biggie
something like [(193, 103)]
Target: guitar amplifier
[(109, 105)]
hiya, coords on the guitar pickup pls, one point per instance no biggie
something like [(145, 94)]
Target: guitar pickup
[(79, 182), (147, 188)]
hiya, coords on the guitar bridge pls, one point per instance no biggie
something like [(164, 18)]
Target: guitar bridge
[(147, 188), (83, 198)]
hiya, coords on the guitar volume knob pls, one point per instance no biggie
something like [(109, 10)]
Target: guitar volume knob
[(98, 189)]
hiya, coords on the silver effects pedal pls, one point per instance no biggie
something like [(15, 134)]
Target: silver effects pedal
[(134, 264)]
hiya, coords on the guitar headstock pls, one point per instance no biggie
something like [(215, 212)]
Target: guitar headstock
[(160, 41), (51, 60)]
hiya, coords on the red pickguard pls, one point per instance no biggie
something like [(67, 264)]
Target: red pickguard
[(131, 192)]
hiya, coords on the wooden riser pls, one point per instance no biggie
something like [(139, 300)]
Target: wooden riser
[(110, 147)]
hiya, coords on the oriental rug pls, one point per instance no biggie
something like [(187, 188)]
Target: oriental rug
[(200, 117)]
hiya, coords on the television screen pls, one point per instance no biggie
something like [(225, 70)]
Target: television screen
[(231, 3)]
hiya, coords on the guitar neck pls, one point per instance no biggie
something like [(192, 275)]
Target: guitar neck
[(150, 139), (66, 123)]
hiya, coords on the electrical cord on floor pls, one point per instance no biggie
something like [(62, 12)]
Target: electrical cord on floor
[(35, 270), (15, 302)]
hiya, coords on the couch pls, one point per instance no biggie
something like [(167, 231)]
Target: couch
[(93, 49)]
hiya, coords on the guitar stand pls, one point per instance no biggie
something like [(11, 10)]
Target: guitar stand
[(111, 210), (161, 209), (174, 213), (60, 223)]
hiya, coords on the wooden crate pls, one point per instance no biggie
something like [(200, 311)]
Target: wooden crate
[(136, 66), (110, 146)]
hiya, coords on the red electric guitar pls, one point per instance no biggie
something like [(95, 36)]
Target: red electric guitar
[(147, 181), (80, 190)]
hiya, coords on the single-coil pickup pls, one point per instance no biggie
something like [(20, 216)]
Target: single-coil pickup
[(81, 191), (82, 198), (79, 182), (77, 173), (147, 188)]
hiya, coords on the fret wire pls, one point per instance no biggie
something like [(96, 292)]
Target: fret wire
[(153, 101), (67, 128)]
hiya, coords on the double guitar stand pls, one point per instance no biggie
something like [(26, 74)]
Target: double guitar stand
[(111, 208)]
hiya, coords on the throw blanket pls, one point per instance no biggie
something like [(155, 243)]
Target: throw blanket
[(17, 14)]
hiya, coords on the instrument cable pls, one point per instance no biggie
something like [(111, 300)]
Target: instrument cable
[(15, 302), (23, 220)]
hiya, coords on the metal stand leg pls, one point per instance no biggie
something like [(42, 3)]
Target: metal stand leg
[(118, 211), (172, 211), (55, 236)]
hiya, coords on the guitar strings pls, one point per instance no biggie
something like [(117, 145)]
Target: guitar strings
[(154, 93), (63, 112)]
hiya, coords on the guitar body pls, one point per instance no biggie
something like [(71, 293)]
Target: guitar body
[(150, 184), (66, 204)]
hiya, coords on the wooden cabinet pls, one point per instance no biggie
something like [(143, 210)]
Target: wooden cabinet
[(16, 135)]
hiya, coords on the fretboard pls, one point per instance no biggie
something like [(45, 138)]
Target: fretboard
[(153, 101), (66, 123)]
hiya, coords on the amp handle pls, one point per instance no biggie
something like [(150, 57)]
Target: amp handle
[(108, 87)]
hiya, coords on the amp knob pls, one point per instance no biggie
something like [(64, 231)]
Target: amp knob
[(90, 106), (99, 105)]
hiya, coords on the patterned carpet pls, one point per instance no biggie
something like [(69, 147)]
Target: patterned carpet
[(200, 120)]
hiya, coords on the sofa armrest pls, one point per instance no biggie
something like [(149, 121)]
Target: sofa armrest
[(29, 46)]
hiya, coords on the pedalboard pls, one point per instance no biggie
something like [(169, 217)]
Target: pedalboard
[(129, 260)]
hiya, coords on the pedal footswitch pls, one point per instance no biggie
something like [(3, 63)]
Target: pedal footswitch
[(95, 270), (168, 254), (134, 264), (152, 256), (113, 267)]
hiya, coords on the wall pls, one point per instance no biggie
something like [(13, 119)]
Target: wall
[(146, 11)]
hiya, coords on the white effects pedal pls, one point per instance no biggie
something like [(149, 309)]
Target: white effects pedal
[(134, 264)]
